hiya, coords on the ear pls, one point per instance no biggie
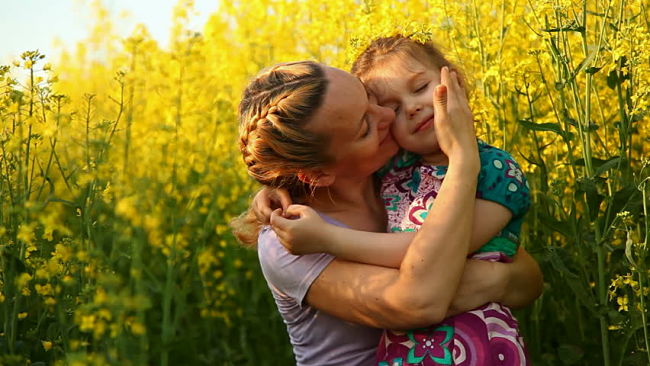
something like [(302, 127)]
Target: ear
[(316, 178)]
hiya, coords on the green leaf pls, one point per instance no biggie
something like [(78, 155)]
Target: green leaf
[(557, 263), (553, 127), (570, 28), (592, 70), (600, 166), (583, 64), (606, 165), (590, 188), (612, 79), (561, 227)]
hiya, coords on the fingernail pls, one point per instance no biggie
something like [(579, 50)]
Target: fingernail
[(440, 90)]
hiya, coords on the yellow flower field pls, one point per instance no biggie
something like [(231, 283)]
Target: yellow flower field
[(119, 174)]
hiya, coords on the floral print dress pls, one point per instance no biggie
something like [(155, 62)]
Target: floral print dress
[(485, 336)]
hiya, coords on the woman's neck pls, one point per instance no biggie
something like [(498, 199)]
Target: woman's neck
[(355, 203)]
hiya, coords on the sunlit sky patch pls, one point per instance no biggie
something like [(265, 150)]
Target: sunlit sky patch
[(49, 25)]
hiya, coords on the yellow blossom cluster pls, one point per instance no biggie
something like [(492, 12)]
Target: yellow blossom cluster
[(119, 173)]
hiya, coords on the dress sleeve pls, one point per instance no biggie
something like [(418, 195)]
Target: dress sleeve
[(287, 274), (502, 181)]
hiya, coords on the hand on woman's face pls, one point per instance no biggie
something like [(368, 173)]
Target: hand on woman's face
[(358, 128)]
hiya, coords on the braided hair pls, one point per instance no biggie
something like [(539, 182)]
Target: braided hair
[(273, 139)]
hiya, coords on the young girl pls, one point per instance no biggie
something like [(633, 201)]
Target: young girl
[(403, 74)]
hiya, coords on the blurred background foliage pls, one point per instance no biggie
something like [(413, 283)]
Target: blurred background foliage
[(119, 173)]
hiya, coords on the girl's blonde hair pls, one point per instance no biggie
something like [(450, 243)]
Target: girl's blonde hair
[(275, 144), (385, 48)]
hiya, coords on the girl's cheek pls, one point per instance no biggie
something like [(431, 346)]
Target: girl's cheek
[(432, 89)]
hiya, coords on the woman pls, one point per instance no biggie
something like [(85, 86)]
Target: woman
[(315, 131)]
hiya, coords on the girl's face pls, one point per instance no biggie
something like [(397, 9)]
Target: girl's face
[(357, 127), (406, 86)]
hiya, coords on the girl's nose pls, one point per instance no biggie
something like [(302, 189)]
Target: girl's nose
[(413, 110)]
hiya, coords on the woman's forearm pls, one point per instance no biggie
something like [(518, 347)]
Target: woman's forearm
[(514, 284), (434, 261)]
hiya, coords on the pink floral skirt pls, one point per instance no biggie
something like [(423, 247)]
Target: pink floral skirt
[(487, 336), (482, 337)]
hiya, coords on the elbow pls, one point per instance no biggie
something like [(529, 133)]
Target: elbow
[(416, 313), (538, 287)]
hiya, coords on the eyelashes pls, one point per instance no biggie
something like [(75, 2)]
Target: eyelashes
[(365, 134), (422, 88)]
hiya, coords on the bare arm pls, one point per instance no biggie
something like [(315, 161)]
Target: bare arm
[(420, 292), (388, 249), (524, 283), (489, 219), (515, 284), (310, 234)]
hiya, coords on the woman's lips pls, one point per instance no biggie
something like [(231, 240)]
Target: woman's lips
[(424, 125), (386, 138)]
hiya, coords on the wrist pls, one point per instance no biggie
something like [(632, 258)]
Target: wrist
[(331, 239), (465, 159), (464, 172)]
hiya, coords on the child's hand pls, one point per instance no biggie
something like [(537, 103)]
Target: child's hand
[(454, 124), (267, 200), (301, 231)]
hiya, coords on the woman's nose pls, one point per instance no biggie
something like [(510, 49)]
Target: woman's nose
[(385, 117)]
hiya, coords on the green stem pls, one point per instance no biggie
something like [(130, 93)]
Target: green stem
[(642, 271)]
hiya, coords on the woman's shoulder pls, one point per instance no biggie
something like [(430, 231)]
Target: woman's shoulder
[(288, 274)]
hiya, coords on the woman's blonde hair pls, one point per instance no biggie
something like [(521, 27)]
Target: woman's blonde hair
[(273, 139)]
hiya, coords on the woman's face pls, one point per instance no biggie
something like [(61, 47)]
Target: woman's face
[(358, 128)]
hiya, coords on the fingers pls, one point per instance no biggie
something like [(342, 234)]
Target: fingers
[(456, 95), (262, 207), (285, 198), (276, 220), (296, 211), (440, 94), (453, 84), (282, 219)]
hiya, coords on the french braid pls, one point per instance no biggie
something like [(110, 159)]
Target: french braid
[(273, 139)]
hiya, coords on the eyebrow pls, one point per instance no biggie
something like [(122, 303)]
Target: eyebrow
[(411, 80)]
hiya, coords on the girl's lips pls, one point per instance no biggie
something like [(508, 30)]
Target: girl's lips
[(424, 125)]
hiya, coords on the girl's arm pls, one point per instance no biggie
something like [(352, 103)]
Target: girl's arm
[(388, 249), (309, 233), (306, 232), (489, 219), (420, 292)]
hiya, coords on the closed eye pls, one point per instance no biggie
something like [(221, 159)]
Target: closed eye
[(367, 129), (421, 88)]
